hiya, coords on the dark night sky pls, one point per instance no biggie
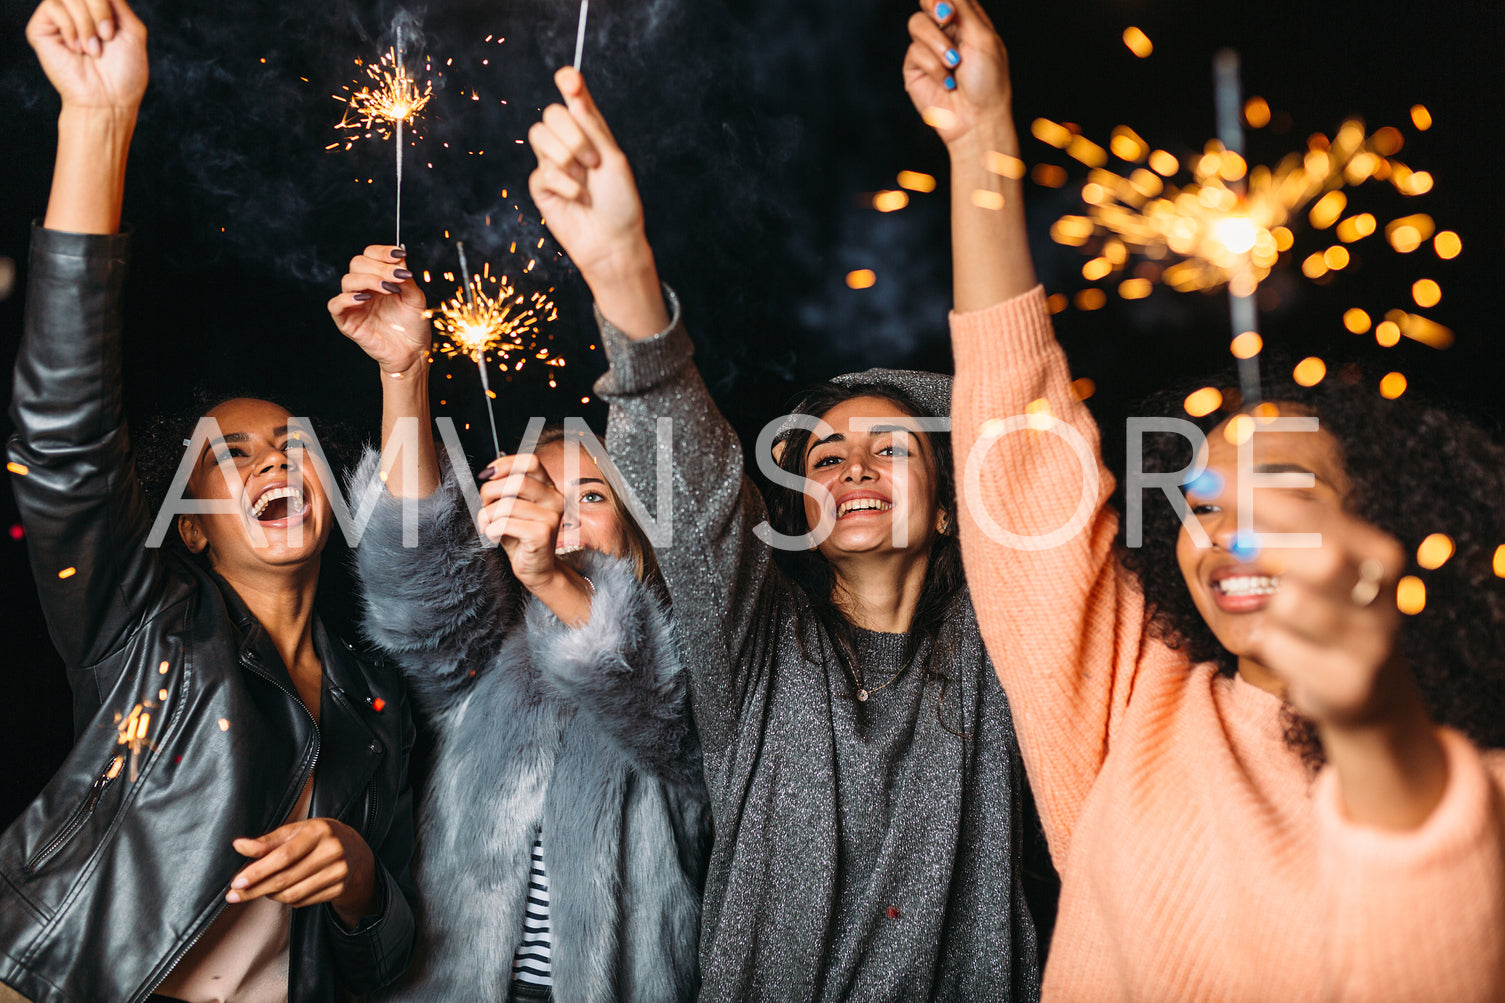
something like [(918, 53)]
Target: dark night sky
[(755, 127)]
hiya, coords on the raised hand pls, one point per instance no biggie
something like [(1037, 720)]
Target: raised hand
[(523, 510), (93, 52), (1330, 631), (382, 310), (956, 70), (583, 186), (308, 862)]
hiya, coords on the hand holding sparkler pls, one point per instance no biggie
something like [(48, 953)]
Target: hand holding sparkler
[(957, 75), (526, 513), (1331, 636), (956, 70), (583, 187), (382, 310)]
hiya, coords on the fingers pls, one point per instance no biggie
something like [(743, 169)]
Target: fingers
[(553, 149), (549, 180), (380, 270), (577, 97), (925, 55), (124, 19), (307, 854), (529, 522), (936, 51), (52, 20), (520, 476), (83, 30), (385, 263), (103, 15), (565, 128)]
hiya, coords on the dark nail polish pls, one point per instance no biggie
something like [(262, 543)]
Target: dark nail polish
[(487, 472), (942, 11), (952, 57), (361, 297), (392, 287), (398, 253), (950, 86), (401, 274)]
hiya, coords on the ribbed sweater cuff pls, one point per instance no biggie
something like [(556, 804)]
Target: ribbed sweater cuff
[(1024, 317), (1456, 829), (639, 364)]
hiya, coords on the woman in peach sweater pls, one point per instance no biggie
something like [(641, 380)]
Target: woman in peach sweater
[(1204, 853)]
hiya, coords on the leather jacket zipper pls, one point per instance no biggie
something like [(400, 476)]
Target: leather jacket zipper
[(176, 957), (80, 814), (373, 809)]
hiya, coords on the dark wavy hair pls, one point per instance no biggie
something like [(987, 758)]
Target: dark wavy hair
[(932, 626), (1414, 469)]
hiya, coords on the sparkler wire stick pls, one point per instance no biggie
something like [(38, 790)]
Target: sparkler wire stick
[(585, 6), (470, 297), (398, 240), (1241, 306)]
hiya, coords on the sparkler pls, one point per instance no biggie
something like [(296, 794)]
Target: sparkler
[(389, 102), (585, 6), (504, 322), (1230, 224)]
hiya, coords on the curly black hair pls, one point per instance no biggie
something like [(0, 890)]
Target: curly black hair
[(160, 438), (1414, 469), (944, 577)]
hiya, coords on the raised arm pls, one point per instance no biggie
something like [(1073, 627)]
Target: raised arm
[(76, 487), (720, 576), (957, 75), (1063, 629)]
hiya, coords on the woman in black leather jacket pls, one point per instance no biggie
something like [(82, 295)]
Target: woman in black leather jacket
[(236, 809)]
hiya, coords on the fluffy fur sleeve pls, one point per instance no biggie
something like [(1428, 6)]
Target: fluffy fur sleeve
[(622, 669), (439, 609)]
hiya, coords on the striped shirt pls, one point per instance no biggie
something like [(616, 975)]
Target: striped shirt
[(531, 963)]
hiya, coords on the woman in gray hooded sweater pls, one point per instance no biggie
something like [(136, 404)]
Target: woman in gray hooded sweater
[(564, 826), (860, 758)]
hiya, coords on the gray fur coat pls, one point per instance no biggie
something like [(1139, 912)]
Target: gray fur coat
[(584, 733)]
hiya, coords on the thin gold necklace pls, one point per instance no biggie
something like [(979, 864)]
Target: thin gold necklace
[(862, 692)]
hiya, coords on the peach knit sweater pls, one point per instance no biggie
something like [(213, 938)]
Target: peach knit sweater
[(1198, 860)]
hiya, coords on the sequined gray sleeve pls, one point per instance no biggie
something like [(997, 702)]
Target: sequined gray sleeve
[(720, 576)]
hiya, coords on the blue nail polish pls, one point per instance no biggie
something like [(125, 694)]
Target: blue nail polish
[(952, 57), (942, 11), (950, 83), (1245, 546)]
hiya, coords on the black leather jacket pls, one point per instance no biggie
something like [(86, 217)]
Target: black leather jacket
[(106, 880)]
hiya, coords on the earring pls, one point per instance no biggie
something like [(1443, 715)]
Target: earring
[(943, 524)]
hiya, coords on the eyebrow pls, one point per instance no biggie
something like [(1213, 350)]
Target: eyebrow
[(277, 433), (1289, 468), (833, 437)]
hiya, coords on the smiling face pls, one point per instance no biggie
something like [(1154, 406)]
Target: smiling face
[(1229, 589), (590, 511), (877, 474), (257, 462)]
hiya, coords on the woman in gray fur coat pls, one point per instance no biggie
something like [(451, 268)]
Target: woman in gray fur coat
[(564, 825)]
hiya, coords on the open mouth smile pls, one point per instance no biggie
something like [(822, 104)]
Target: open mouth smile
[(281, 504), (1242, 589), (865, 504)]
